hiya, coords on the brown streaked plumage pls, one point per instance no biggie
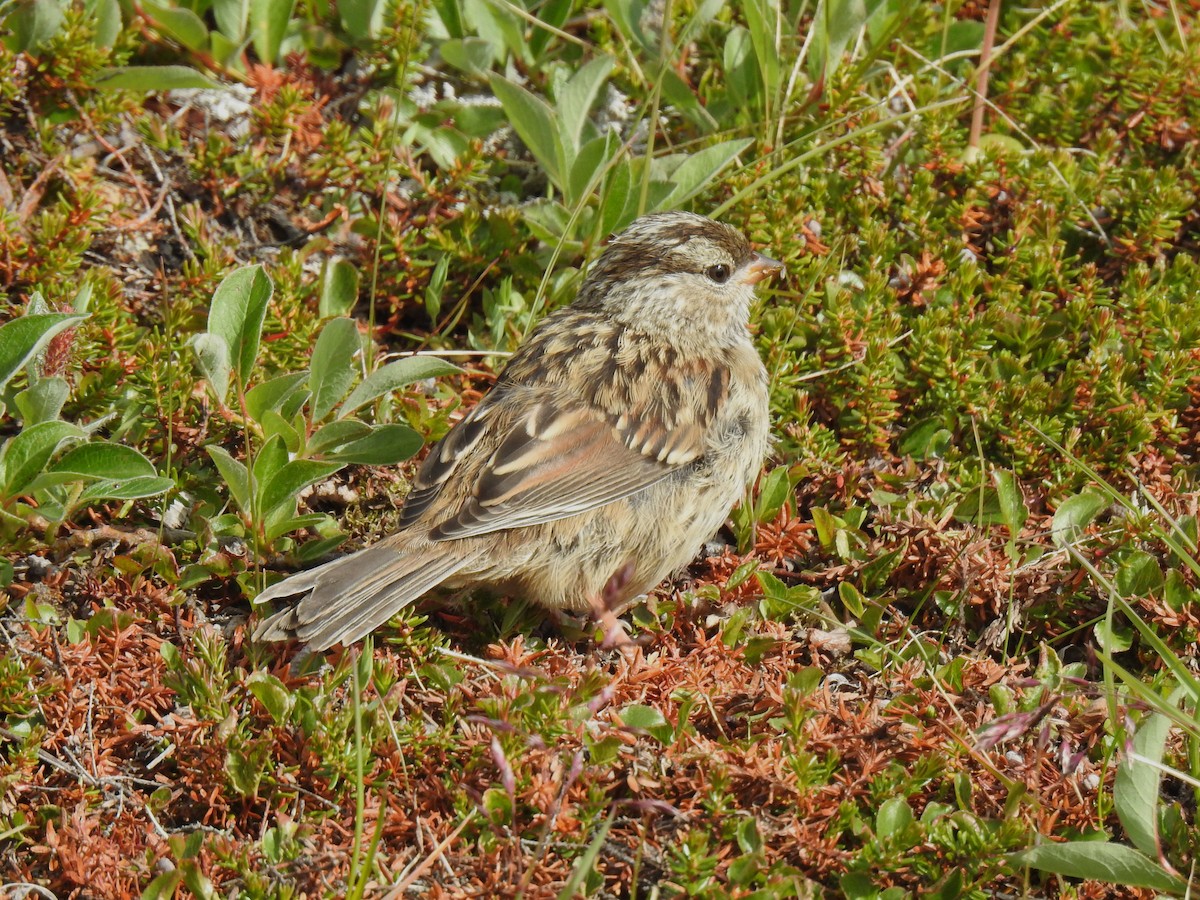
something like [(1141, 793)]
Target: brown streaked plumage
[(614, 443)]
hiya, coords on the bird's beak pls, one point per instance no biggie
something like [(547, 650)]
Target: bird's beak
[(759, 268)]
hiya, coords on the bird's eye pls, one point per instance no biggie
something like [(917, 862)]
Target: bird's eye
[(718, 273)]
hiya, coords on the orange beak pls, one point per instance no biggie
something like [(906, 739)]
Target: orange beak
[(759, 268)]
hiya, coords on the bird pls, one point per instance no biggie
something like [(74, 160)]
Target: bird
[(612, 445)]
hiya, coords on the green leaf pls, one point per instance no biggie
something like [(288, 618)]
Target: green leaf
[(23, 457), (271, 395), (1099, 861), (836, 24), (231, 16), (761, 16), (437, 283), (272, 694), (269, 460), (471, 55), (126, 488), (43, 400), (280, 491), (102, 459), (773, 495), (1013, 510), (178, 22), (336, 434), (150, 79), (1075, 514), (699, 169), (894, 816), (553, 13), (33, 22), (339, 288), (576, 98), (281, 526), (362, 19), (24, 337), (535, 123), (268, 25), (333, 369), (386, 445), (589, 165), (393, 376), (212, 353), (106, 16), (616, 210), (646, 718), (235, 475), (236, 315), (1136, 787)]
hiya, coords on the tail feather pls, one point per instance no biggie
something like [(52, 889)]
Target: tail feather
[(350, 597)]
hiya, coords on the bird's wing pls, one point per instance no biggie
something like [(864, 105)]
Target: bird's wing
[(552, 459)]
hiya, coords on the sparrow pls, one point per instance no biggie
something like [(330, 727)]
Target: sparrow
[(614, 443)]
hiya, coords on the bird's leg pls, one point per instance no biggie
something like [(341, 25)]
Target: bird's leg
[(607, 607)]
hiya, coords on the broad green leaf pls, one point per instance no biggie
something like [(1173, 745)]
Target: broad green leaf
[(43, 400), (741, 73), (587, 169), (268, 461), (394, 376), (1075, 514), (231, 16), (281, 490), (553, 13), (535, 123), (106, 16), (649, 719), (433, 290), (150, 79), (699, 169), (287, 524), (332, 370), (1136, 787), (1013, 510), (384, 446), (336, 434), (24, 456), (236, 315), (339, 288), (616, 210), (275, 425), (1138, 574), (772, 495), (268, 25), (1099, 861), (683, 97), (450, 12), (836, 24), (180, 23), (894, 816), (627, 16), (25, 336), (271, 395), (126, 488), (272, 694), (103, 459), (761, 16), (471, 55), (235, 475), (577, 97), (213, 355), (362, 19), (32, 23)]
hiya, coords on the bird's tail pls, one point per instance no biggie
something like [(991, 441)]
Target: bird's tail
[(348, 598)]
